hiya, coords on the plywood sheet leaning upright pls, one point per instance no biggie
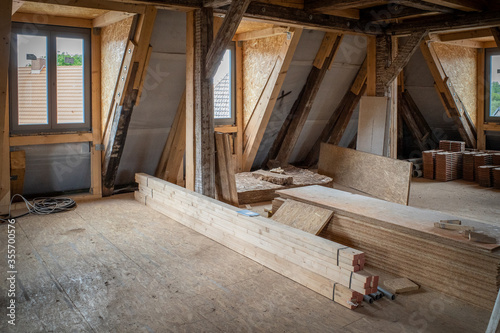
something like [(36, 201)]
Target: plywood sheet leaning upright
[(257, 124), (382, 177), (225, 180), (372, 124), (302, 216), (5, 27)]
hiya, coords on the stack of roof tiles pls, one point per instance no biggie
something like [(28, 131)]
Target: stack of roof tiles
[(468, 166), (480, 160), (453, 146), (485, 175), (496, 178), (429, 163), (448, 166)]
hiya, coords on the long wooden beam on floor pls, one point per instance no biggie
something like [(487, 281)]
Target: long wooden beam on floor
[(5, 30), (336, 125), (127, 92), (292, 127), (450, 99), (254, 131)]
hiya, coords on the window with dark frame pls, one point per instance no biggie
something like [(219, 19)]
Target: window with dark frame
[(50, 79), (492, 89), (225, 90)]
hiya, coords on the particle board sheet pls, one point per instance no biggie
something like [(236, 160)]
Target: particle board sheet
[(372, 124), (309, 218), (382, 177), (403, 241), (411, 220)]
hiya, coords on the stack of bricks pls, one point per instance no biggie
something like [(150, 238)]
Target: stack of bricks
[(454, 146), (496, 178), (448, 166), (429, 163), (480, 160), (468, 166), (485, 175)]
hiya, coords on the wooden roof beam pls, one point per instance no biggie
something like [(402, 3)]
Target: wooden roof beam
[(216, 3), (496, 34), (110, 18), (447, 22), (464, 35), (322, 5), (128, 7), (389, 13), (16, 5), (465, 5)]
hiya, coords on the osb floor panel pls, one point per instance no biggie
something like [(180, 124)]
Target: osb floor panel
[(116, 266)]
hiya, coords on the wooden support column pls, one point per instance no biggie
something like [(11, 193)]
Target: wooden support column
[(371, 62), (399, 60), (239, 108), (290, 131), (5, 30), (127, 93), (335, 128), (481, 83), (450, 99), (254, 131), (96, 156), (200, 161)]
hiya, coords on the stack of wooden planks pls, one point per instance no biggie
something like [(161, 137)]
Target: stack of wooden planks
[(468, 166), (402, 240), (496, 178), (479, 160), (448, 166), (485, 175), (305, 258), (454, 146), (429, 163)]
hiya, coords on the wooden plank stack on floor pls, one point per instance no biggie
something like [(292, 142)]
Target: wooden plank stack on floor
[(402, 240), (305, 258)]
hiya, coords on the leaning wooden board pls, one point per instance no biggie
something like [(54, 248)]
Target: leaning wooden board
[(308, 218), (408, 219), (382, 177)]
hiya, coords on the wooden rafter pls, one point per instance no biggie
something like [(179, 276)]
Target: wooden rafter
[(451, 102), (264, 33), (292, 127), (423, 5), (254, 131), (496, 34), (216, 3), (336, 125), (466, 5), (175, 147), (225, 35), (464, 35), (322, 5), (403, 57), (122, 6), (381, 13), (446, 22), (109, 18), (126, 98)]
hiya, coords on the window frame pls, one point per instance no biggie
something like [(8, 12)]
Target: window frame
[(232, 120), (51, 33), (487, 73)]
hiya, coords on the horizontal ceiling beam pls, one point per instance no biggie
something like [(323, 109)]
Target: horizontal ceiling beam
[(216, 3), (423, 5), (466, 5), (463, 35), (447, 22), (388, 14), (128, 7), (322, 5)]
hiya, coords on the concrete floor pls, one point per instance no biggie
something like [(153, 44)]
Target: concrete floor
[(116, 266)]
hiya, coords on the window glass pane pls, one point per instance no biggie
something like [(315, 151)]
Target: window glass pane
[(32, 80), (222, 88), (495, 86), (70, 81)]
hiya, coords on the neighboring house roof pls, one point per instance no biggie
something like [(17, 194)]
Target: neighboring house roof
[(222, 98)]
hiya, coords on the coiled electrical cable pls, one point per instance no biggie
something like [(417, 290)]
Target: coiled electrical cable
[(41, 206)]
